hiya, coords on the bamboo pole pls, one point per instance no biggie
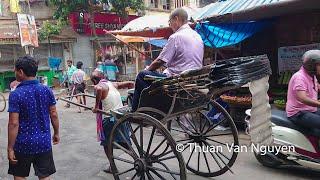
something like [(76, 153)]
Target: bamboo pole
[(83, 106), (125, 43), (81, 94)]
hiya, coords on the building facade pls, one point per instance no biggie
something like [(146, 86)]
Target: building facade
[(169, 5), (60, 46)]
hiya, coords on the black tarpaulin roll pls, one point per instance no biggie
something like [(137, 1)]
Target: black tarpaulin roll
[(239, 71)]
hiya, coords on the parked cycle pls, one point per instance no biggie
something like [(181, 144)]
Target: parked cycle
[(3, 102)]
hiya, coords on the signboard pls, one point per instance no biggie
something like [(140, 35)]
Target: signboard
[(289, 58), (28, 31), (81, 22)]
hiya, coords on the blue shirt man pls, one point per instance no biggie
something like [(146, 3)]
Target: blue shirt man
[(31, 100), (110, 69), (31, 108)]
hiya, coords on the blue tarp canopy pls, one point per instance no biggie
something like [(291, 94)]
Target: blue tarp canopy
[(158, 42), (223, 7), (227, 34)]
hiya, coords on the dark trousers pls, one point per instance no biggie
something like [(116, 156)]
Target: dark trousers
[(307, 119), (141, 84)]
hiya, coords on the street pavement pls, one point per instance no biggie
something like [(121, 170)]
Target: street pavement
[(79, 156)]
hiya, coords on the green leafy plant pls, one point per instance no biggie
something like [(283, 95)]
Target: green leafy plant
[(120, 7), (48, 29)]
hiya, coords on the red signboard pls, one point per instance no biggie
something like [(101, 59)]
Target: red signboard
[(80, 22)]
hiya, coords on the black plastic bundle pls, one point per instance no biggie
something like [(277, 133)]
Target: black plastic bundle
[(239, 71)]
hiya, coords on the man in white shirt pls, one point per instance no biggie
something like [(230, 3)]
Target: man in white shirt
[(78, 82)]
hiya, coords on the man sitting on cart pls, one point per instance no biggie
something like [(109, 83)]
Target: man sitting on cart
[(107, 98), (183, 51)]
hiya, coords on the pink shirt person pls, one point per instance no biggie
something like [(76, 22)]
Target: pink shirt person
[(183, 51), (301, 81)]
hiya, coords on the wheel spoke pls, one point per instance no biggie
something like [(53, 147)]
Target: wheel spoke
[(163, 159), (164, 153), (206, 121), (222, 160), (167, 169), (215, 159), (120, 173), (135, 174), (186, 147), (142, 176), (198, 161), (135, 141), (205, 158), (221, 134), (141, 137), (200, 126), (191, 155), (123, 160), (163, 170), (214, 126), (133, 154), (149, 176), (150, 140), (157, 147), (213, 156), (157, 174), (185, 128), (128, 143), (224, 163), (224, 155), (192, 124), (225, 144)]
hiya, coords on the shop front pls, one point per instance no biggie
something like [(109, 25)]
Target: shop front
[(11, 50)]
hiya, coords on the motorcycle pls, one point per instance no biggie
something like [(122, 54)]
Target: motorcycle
[(306, 143)]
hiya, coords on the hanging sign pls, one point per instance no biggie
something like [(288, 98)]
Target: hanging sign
[(81, 23), (289, 58), (28, 31)]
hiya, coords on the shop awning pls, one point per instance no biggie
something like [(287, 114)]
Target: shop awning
[(158, 42), (155, 26), (230, 6), (250, 10), (227, 34), (147, 22), (131, 39)]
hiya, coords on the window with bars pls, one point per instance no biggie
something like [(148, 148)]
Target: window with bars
[(166, 4)]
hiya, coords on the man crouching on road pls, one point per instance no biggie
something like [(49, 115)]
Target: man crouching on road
[(31, 107), (107, 98)]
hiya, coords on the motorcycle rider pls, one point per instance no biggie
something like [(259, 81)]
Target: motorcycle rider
[(302, 99)]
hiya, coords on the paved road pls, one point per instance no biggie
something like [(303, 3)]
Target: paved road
[(79, 155)]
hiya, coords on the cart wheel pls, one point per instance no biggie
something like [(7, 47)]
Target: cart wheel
[(3, 102), (135, 152), (209, 144)]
